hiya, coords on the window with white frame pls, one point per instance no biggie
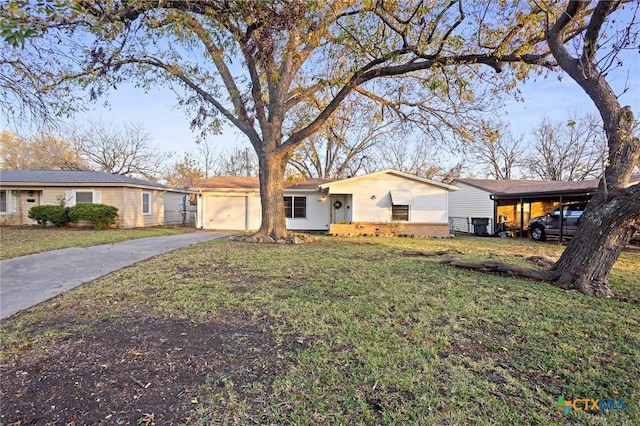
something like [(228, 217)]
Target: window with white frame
[(78, 196), (84, 197), (146, 203), (295, 207)]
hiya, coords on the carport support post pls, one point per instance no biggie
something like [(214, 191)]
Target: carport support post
[(561, 222), (521, 218)]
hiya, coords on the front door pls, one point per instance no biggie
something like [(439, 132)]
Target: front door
[(339, 209), (26, 200)]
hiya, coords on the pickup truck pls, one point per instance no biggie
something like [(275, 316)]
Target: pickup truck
[(549, 225)]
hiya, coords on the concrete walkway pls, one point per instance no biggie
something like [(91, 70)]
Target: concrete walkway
[(28, 280)]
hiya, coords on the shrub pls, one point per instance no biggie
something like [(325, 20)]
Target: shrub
[(58, 215), (102, 215)]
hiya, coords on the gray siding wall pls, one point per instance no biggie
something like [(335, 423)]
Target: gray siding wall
[(467, 203)]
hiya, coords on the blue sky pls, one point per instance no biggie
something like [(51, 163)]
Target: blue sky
[(544, 96), (557, 98)]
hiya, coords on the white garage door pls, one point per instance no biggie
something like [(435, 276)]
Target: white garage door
[(225, 212)]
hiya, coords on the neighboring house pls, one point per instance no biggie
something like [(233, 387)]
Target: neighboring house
[(140, 203), (377, 203), (513, 202)]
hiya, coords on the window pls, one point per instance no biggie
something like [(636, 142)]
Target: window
[(74, 196), (576, 210), (146, 203), (400, 212), (84, 197), (3, 201), (295, 207)]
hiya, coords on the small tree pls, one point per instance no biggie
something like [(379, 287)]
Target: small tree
[(41, 151), (186, 173)]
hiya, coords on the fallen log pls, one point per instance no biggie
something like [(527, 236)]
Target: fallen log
[(503, 268), (416, 253)]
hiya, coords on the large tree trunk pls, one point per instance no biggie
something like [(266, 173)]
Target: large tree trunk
[(605, 228), (612, 215), (272, 168), (614, 211)]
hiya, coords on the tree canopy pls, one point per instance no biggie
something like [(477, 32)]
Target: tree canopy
[(255, 64)]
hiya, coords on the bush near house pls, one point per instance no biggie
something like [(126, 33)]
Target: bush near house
[(101, 214), (58, 215)]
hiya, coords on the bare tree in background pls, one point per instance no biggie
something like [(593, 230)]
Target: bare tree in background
[(570, 151), (416, 155), (497, 150), (209, 161), (42, 151), (342, 146), (407, 155), (239, 161), (208, 157), (125, 149)]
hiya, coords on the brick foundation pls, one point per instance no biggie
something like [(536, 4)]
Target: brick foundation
[(438, 230)]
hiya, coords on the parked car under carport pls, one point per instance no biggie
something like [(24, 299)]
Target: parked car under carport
[(561, 222)]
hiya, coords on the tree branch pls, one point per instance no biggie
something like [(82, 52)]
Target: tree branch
[(218, 59), (590, 45), (245, 127)]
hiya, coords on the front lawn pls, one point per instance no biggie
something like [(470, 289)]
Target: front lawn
[(342, 331), (21, 241)]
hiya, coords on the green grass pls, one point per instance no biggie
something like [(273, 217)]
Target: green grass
[(16, 242), (384, 338)]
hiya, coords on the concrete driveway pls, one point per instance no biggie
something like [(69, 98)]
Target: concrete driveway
[(28, 280)]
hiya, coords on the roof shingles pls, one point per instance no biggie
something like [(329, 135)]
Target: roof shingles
[(253, 183), (533, 187), (72, 177)]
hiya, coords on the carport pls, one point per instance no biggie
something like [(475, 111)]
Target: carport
[(516, 207), (510, 204)]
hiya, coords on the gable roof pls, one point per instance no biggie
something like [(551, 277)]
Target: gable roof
[(514, 188), (395, 173), (235, 183), (308, 184), (229, 182), (74, 177)]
